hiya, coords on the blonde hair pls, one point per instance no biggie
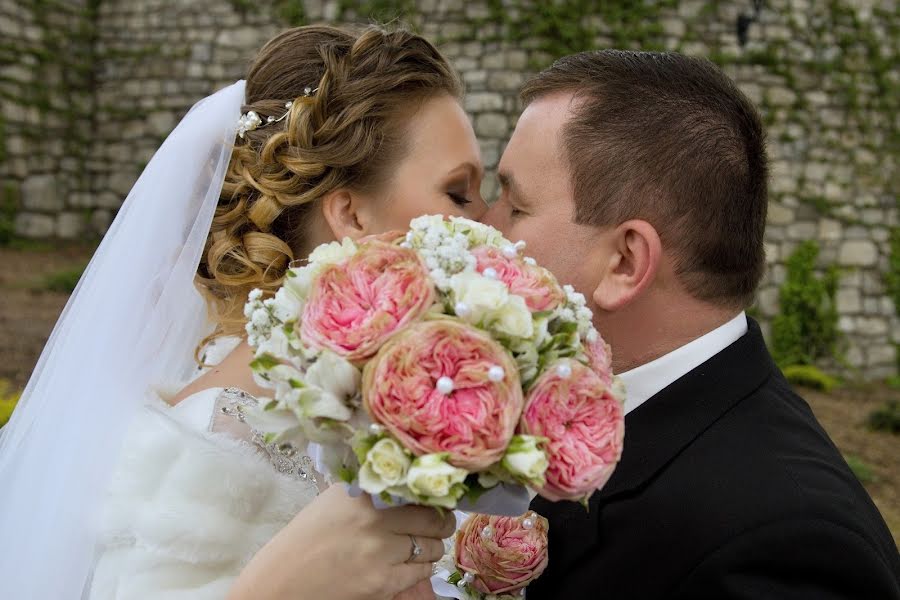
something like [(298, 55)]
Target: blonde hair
[(347, 134)]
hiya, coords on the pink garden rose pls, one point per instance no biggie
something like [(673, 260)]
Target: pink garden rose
[(584, 422), (356, 305), (533, 283), (600, 356), (443, 386), (504, 554)]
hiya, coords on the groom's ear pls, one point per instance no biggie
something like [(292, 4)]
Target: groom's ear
[(634, 256), (347, 213)]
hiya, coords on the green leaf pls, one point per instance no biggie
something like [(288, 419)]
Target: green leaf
[(264, 362)]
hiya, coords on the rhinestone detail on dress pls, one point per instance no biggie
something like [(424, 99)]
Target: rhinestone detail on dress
[(283, 455)]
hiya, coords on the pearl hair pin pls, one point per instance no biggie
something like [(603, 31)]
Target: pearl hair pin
[(251, 121)]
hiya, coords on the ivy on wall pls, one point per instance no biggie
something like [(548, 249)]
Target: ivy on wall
[(892, 276)]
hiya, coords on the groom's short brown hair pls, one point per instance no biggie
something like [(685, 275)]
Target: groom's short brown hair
[(671, 140)]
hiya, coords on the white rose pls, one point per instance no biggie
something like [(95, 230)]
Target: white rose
[(299, 281), (525, 460), (481, 295), (332, 252), (433, 477), (334, 375), (385, 466), (513, 318), (286, 305)]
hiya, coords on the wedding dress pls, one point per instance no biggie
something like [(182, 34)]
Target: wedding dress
[(196, 494)]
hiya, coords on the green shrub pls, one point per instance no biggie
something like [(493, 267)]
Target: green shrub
[(8, 400), (806, 328), (810, 377), (861, 469), (886, 418)]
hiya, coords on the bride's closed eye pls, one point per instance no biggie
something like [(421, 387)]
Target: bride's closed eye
[(458, 199)]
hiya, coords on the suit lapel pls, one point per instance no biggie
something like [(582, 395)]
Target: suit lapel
[(658, 430)]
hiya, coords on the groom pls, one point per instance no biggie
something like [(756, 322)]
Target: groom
[(640, 178)]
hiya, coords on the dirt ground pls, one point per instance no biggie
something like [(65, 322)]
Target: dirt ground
[(28, 312)]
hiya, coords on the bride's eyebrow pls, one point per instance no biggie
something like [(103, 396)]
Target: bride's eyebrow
[(467, 168)]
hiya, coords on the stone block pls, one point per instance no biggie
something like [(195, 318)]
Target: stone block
[(781, 96), (882, 355), (517, 60), (846, 324), (778, 214), (801, 231), (858, 253), (505, 81), (100, 221), (848, 301), (43, 193), (69, 225), (33, 225), (871, 325), (492, 125), (767, 300), (855, 357), (829, 230), (478, 102)]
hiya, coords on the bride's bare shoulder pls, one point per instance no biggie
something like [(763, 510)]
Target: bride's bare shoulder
[(232, 371)]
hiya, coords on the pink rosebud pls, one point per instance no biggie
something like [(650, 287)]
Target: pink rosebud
[(357, 304), (536, 285), (436, 388), (504, 554), (571, 406), (599, 355)]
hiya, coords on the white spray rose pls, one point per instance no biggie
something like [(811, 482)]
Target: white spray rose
[(513, 318), (386, 465), (525, 459), (433, 477), (481, 295)]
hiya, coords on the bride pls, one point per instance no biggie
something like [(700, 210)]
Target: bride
[(126, 472)]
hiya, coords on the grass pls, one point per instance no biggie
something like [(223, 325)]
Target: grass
[(861, 469), (61, 281)]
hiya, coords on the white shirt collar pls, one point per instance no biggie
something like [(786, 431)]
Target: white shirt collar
[(645, 381)]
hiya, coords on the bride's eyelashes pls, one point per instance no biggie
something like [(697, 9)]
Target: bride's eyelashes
[(458, 199)]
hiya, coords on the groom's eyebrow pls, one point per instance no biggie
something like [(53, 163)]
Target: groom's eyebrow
[(508, 183)]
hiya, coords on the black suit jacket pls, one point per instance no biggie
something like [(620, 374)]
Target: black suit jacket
[(728, 487)]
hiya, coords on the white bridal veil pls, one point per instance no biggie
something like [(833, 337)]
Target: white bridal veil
[(131, 324)]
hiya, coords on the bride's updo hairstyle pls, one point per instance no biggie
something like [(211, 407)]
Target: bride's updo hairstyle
[(351, 97)]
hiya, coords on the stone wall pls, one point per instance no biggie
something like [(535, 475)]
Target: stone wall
[(823, 73), (46, 81)]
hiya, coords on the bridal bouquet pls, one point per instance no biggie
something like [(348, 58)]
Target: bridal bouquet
[(434, 365), (493, 557)]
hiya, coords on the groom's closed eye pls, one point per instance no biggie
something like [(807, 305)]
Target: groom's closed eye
[(510, 191)]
